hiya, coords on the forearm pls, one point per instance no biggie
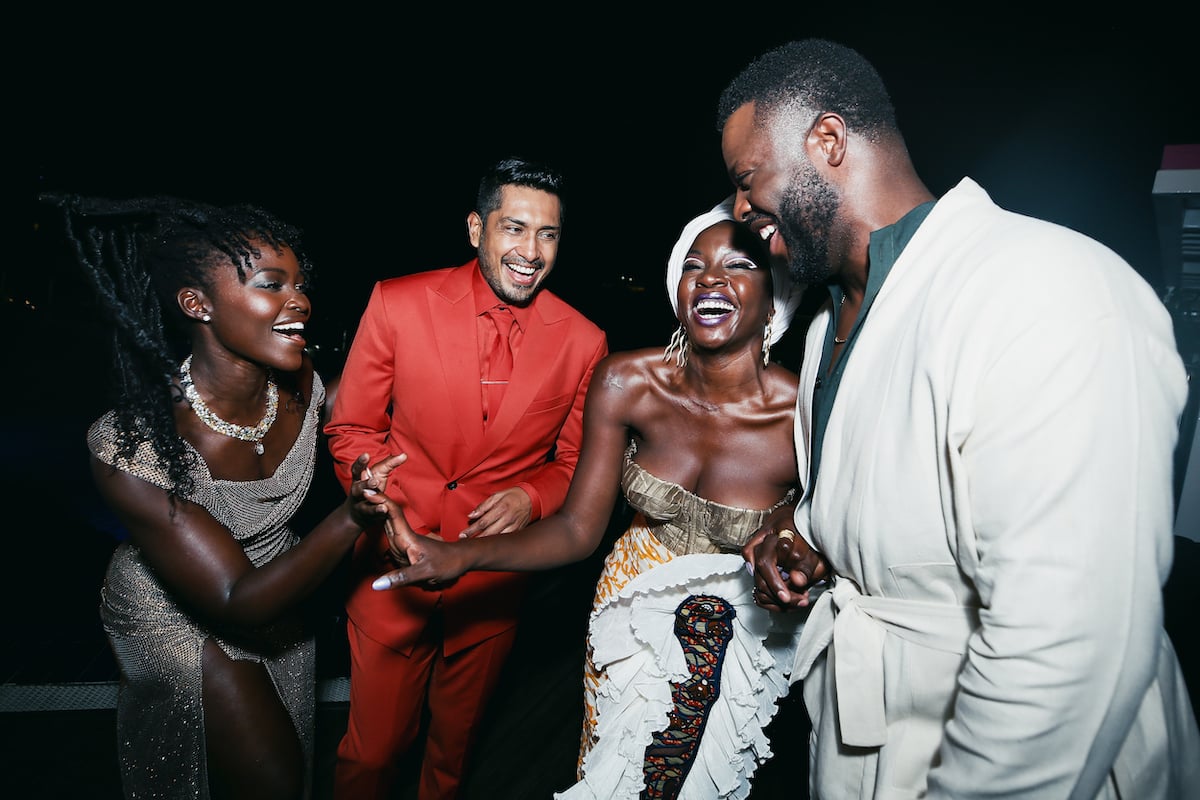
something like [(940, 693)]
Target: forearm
[(552, 542), (264, 594)]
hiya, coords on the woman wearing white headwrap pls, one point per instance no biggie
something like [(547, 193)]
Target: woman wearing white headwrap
[(786, 294), (683, 672)]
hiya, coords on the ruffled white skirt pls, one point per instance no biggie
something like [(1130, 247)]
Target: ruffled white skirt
[(634, 657)]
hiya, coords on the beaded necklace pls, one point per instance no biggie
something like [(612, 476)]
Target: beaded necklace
[(247, 433)]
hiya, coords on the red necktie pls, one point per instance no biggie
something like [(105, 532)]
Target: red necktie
[(497, 367)]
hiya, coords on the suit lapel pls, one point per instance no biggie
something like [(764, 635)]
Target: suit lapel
[(455, 340), (457, 348)]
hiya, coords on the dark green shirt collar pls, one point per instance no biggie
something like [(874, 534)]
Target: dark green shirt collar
[(884, 249)]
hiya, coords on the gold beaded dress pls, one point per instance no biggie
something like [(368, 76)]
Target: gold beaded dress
[(160, 720), (683, 670)]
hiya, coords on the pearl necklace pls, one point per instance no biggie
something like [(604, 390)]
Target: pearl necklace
[(246, 433)]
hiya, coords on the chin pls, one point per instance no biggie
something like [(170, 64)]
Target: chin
[(290, 362)]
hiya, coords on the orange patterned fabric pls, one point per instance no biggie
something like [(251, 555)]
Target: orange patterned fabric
[(633, 553)]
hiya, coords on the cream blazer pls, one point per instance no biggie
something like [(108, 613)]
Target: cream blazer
[(995, 495)]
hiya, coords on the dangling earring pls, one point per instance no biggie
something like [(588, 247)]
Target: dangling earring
[(678, 345), (767, 344)]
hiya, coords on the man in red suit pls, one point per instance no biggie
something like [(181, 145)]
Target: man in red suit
[(419, 379)]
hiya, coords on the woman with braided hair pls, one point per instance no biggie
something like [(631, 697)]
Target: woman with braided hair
[(206, 455)]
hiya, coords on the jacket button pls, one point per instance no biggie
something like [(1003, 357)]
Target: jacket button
[(452, 485)]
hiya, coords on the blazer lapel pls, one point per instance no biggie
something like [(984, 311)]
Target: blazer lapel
[(457, 348)]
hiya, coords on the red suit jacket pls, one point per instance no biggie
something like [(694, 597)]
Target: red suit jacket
[(416, 352)]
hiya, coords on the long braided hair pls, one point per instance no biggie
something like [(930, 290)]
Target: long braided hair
[(137, 254)]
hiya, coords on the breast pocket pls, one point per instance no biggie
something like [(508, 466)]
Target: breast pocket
[(560, 404)]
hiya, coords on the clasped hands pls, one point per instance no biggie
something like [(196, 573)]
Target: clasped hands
[(785, 568), (427, 559)]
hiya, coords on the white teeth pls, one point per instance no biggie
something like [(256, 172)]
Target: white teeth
[(522, 269), (766, 232), (297, 327), (714, 305)]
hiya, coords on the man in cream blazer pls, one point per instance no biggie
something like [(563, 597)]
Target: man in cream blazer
[(987, 418)]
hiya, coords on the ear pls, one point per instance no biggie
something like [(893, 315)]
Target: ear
[(474, 228), (194, 304), (827, 139)]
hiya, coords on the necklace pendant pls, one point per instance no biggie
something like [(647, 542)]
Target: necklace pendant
[(258, 448)]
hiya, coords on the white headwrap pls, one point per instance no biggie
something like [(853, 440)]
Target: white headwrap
[(787, 294)]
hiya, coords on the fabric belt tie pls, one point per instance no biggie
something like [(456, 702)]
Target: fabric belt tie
[(857, 625)]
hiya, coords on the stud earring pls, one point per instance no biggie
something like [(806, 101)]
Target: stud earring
[(207, 318)]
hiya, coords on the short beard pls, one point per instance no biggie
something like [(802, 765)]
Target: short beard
[(806, 215), (520, 297)]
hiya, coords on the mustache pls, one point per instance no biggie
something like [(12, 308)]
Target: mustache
[(521, 262), (752, 217)]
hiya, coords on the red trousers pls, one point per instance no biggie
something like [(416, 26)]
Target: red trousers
[(388, 693)]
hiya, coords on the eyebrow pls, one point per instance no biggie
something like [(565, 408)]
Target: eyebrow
[(525, 224)]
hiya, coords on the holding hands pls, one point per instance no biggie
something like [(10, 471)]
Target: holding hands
[(366, 497), (785, 568), (423, 559)]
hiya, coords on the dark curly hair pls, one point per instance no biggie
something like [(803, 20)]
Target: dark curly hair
[(812, 76), (518, 172), (137, 254)]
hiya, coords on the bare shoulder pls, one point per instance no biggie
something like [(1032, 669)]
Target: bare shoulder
[(630, 370), (783, 385)]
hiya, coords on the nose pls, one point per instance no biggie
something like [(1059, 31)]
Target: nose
[(300, 302), (529, 246), (741, 205), (711, 275)]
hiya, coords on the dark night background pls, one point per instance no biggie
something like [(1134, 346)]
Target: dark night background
[(371, 134), (371, 137), (369, 131)]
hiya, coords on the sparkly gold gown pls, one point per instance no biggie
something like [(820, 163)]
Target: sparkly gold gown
[(672, 582), (160, 720)]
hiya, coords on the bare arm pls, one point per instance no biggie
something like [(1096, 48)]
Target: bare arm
[(199, 560), (569, 535)]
